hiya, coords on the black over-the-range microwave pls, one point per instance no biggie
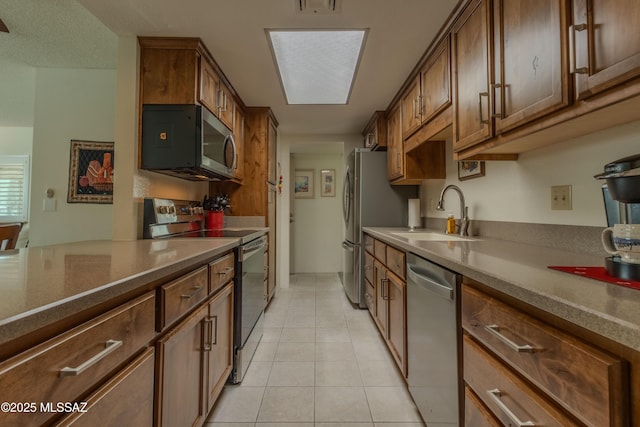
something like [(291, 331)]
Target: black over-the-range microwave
[(186, 141)]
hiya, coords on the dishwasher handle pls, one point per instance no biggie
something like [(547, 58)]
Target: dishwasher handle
[(429, 283)]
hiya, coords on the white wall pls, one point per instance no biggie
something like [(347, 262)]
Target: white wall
[(318, 221), (69, 104), (519, 191), (310, 146), (17, 93)]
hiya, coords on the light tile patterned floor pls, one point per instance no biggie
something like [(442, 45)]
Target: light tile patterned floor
[(321, 362)]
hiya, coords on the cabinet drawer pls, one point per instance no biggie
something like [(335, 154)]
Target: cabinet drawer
[(380, 251), (220, 272), (368, 243), (64, 368), (184, 293), (127, 399), (508, 397), (589, 383), (475, 413), (396, 262)]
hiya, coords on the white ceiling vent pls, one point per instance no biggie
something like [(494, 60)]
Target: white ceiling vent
[(317, 7)]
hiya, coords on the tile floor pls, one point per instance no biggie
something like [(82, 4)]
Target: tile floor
[(320, 363)]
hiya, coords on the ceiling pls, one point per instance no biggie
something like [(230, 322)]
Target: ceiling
[(83, 34)]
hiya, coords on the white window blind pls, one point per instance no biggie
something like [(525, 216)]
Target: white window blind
[(14, 188)]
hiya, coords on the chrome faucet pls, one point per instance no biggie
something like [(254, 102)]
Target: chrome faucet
[(464, 210)]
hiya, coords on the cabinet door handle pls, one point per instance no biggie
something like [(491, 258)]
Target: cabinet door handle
[(495, 396), (385, 295), (499, 115), (495, 331), (109, 347), (191, 295), (480, 95), (212, 322), (416, 108), (572, 49)]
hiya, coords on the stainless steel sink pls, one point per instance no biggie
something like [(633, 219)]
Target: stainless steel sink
[(430, 236)]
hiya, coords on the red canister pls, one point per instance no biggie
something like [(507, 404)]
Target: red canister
[(214, 220)]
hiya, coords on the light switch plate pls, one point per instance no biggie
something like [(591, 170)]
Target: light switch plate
[(561, 198), (49, 205)]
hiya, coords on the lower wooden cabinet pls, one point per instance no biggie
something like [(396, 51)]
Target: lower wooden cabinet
[(69, 366), (126, 400), (475, 413), (386, 295), (397, 323), (193, 362), (218, 343), (521, 367)]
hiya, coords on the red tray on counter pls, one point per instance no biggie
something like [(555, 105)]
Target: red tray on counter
[(597, 273)]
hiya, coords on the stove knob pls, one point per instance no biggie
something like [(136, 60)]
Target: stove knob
[(162, 210), (171, 209)]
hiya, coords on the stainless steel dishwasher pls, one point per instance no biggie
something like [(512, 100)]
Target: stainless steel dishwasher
[(432, 341)]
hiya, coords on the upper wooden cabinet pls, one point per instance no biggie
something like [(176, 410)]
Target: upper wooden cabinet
[(375, 133), (607, 44), (216, 95), (430, 91), (395, 146), (522, 76), (182, 71), (531, 76)]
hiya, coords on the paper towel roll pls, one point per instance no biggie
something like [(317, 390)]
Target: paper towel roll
[(414, 213)]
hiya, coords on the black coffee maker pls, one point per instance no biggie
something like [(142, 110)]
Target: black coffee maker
[(622, 204)]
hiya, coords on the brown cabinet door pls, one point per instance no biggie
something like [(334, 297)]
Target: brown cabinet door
[(226, 110), (436, 82), (370, 297), (411, 106), (218, 343), (395, 147), (397, 296), (180, 372), (208, 86), (607, 44), (382, 289), (531, 77), (471, 50)]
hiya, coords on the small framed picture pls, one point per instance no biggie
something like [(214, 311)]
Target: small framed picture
[(469, 169), (328, 183), (303, 184)]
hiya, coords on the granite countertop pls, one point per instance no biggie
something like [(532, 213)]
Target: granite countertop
[(46, 284), (521, 271)]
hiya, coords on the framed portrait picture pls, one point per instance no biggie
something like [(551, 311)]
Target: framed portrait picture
[(468, 169), (328, 183), (303, 184), (91, 172)]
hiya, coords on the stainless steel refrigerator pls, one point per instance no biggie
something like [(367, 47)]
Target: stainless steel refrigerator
[(368, 200)]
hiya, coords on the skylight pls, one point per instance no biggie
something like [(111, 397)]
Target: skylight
[(317, 66)]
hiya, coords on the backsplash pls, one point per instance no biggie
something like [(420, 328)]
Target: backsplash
[(572, 238)]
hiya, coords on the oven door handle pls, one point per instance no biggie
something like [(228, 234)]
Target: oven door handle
[(246, 251)]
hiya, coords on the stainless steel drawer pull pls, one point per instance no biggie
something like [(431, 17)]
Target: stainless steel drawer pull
[(109, 347), (495, 396), (189, 296), (495, 330)]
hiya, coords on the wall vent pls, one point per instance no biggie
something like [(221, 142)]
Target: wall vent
[(317, 7)]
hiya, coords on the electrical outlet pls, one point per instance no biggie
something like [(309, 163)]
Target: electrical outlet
[(561, 198)]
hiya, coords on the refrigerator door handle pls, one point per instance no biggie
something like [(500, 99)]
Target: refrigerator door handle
[(346, 196), (348, 246)]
